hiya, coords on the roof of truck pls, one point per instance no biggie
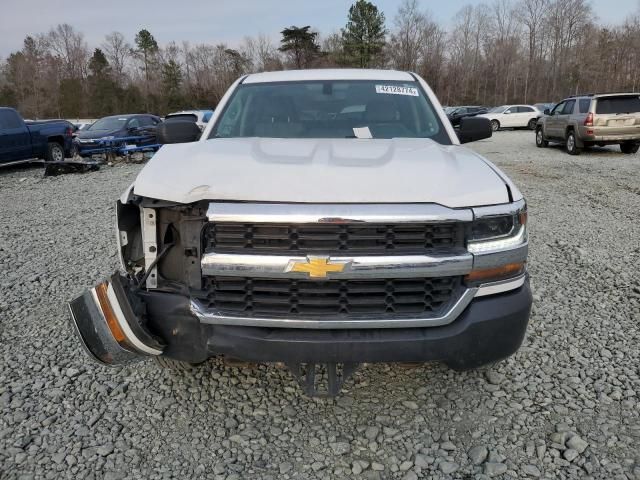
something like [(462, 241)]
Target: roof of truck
[(328, 74)]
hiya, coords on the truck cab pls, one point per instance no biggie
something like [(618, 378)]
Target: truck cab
[(22, 142), (291, 232)]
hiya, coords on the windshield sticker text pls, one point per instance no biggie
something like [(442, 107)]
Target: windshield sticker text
[(397, 90)]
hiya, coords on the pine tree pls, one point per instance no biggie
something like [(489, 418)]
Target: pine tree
[(300, 44), (364, 34), (147, 48)]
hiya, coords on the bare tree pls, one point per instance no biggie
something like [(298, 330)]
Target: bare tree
[(117, 50), (70, 47)]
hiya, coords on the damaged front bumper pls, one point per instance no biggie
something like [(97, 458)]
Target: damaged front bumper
[(109, 330), (490, 328)]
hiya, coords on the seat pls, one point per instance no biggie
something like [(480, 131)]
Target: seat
[(275, 118), (383, 119)]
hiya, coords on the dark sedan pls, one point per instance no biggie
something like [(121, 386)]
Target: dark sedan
[(455, 114), (137, 129)]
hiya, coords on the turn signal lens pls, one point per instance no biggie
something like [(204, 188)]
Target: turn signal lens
[(110, 317), (494, 274)]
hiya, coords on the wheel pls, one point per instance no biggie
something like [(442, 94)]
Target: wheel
[(532, 124), (629, 148), (55, 152), (174, 365), (495, 125), (572, 149), (540, 141)]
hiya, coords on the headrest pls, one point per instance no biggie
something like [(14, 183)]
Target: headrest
[(381, 111)]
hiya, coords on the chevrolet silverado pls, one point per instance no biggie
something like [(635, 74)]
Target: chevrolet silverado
[(324, 218)]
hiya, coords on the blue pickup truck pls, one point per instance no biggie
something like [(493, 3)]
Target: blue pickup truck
[(20, 141)]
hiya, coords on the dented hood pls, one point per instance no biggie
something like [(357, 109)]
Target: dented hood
[(322, 171)]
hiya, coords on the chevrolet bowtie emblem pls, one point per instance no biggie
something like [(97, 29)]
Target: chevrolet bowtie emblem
[(316, 267)]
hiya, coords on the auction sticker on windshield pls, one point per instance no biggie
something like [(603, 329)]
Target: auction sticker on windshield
[(397, 90)]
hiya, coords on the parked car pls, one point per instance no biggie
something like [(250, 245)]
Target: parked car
[(595, 119), (117, 126), (289, 234), (200, 117), (513, 116), (458, 113), (21, 142), (544, 106)]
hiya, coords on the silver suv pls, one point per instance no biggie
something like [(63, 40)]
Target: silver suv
[(588, 120)]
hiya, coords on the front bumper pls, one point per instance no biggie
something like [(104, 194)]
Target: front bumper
[(490, 328)]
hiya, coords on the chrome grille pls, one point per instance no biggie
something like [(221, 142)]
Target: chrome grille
[(360, 238), (249, 297)]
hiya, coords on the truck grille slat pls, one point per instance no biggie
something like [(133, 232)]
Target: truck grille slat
[(248, 297), (330, 238)]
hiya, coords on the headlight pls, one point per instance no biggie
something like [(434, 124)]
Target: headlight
[(498, 232)]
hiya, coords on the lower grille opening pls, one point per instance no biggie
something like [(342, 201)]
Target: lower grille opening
[(275, 297)]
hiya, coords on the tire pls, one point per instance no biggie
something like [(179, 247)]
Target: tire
[(629, 148), (572, 149), (174, 365), (495, 125), (55, 152), (540, 141), (532, 124)]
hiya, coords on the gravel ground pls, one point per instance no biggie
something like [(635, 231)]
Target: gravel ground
[(565, 406)]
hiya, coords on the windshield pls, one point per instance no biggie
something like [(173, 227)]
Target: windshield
[(498, 109), (330, 109), (109, 123)]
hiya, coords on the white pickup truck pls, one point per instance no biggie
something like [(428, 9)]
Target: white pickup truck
[(324, 218)]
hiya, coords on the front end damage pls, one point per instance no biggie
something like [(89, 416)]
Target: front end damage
[(239, 280)]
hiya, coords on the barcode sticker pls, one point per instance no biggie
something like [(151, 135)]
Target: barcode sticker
[(397, 90)]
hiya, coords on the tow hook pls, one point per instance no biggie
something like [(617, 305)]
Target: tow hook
[(336, 376), (109, 330)]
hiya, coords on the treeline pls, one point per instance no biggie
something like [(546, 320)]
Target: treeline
[(506, 51)]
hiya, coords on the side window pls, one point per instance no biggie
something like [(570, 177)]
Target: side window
[(558, 108), (147, 121), (584, 104), (568, 107), (9, 119), (133, 123), (525, 109)]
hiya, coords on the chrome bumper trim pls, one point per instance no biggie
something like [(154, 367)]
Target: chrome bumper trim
[(500, 287), (335, 213), (214, 318), (457, 262)]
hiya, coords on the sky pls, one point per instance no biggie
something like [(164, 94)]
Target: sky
[(214, 21)]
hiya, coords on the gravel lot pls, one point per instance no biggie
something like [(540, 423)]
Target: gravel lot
[(565, 406)]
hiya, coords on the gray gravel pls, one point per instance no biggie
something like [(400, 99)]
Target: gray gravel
[(566, 406)]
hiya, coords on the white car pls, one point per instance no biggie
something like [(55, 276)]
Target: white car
[(200, 117), (513, 116), (323, 217)]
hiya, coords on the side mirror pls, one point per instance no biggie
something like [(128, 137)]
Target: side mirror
[(474, 128), (547, 111), (178, 132), (507, 112)]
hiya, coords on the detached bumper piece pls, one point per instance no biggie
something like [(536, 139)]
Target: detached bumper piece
[(109, 330), (52, 169)]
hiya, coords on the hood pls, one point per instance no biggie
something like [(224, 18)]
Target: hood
[(321, 171), (88, 134)]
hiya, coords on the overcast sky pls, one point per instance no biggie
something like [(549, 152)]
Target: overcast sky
[(212, 21)]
